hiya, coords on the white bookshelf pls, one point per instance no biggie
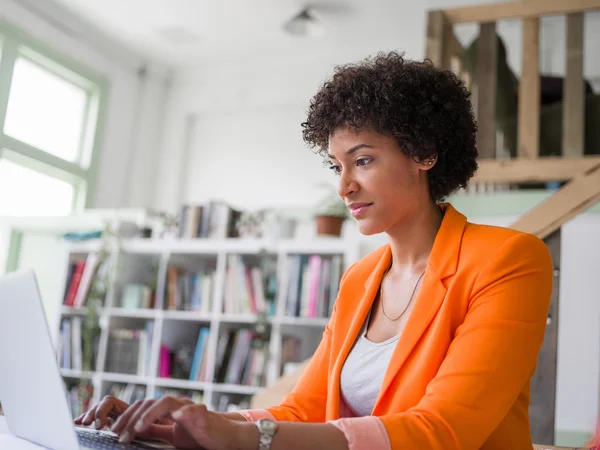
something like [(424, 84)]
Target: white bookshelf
[(129, 262)]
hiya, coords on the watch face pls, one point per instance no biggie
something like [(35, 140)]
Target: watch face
[(267, 425)]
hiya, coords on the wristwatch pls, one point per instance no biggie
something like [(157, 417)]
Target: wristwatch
[(267, 429)]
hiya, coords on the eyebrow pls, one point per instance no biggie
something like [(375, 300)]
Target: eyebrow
[(351, 150)]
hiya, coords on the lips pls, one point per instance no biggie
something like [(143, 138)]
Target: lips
[(356, 209)]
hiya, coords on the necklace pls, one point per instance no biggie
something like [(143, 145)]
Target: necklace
[(409, 300)]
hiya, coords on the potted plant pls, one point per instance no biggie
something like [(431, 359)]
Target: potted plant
[(330, 213)]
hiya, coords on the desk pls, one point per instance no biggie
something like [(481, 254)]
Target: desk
[(10, 442)]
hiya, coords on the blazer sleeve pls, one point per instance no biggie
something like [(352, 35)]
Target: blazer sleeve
[(308, 399), (491, 358)]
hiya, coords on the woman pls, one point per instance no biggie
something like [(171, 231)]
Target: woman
[(434, 336)]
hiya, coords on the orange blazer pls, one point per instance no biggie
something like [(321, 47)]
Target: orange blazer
[(459, 375)]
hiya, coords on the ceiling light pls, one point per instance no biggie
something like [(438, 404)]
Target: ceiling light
[(304, 24)]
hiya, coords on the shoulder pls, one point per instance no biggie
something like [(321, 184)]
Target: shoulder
[(492, 255), (485, 242)]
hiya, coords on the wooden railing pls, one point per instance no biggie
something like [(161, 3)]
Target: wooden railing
[(572, 165), (445, 50)]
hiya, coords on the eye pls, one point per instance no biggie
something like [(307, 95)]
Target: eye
[(363, 161), (335, 168)]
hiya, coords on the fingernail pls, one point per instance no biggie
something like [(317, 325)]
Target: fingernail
[(177, 414), (124, 438), (138, 426), (98, 424)]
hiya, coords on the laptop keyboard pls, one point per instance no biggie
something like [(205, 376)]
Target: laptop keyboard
[(96, 440)]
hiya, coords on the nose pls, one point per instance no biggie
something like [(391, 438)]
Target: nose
[(346, 185)]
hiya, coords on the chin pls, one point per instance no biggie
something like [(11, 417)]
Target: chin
[(369, 228)]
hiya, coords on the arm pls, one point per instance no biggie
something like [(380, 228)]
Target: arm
[(491, 358), (296, 436)]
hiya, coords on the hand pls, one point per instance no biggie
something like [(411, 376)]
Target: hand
[(104, 413), (111, 408), (193, 425)]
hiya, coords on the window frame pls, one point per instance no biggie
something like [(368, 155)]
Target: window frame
[(14, 43)]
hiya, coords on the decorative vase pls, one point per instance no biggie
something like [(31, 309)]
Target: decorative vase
[(329, 225), (287, 228)]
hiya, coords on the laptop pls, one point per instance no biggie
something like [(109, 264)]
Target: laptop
[(32, 392)]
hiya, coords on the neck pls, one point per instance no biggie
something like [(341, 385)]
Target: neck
[(411, 242)]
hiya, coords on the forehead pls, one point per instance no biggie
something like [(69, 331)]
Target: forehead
[(344, 138)]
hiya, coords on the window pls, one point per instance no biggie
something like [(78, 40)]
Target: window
[(37, 192), (49, 113)]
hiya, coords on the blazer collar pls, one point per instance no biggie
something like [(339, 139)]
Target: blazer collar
[(446, 247)]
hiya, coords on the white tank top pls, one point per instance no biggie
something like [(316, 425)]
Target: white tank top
[(363, 371)]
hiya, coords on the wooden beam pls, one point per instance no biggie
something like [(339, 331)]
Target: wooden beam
[(529, 92), (518, 9), (575, 197), (453, 49), (487, 50), (528, 170), (436, 24), (455, 46), (447, 50), (574, 89)]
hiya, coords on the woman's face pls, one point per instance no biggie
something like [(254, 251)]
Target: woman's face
[(382, 187)]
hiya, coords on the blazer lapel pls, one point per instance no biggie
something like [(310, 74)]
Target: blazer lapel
[(428, 302), (369, 292), (442, 263)]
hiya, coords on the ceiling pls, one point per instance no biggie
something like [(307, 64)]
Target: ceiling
[(184, 32)]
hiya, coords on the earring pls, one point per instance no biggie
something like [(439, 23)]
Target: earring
[(430, 162)]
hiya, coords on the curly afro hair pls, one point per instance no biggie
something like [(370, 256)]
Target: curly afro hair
[(427, 110)]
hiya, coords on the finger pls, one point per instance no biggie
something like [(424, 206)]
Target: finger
[(124, 418), (79, 419), (127, 432), (89, 417), (154, 413), (109, 407)]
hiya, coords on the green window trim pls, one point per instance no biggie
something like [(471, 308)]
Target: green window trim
[(83, 175), (14, 250)]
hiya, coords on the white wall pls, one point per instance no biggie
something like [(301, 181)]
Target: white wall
[(132, 125), (234, 132), (245, 115), (579, 325)]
